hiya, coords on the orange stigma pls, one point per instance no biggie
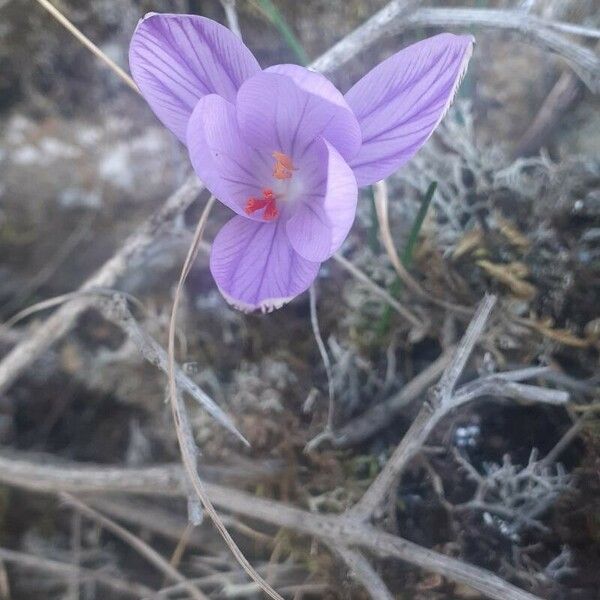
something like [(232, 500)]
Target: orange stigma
[(283, 166), (268, 202)]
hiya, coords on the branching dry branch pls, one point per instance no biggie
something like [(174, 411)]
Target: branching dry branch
[(394, 16), (364, 573), (25, 470), (443, 400), (350, 529)]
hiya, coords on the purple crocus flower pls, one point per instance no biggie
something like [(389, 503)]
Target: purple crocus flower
[(282, 147)]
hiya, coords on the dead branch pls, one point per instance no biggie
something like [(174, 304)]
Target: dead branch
[(566, 92), (582, 60), (364, 573), (60, 323), (24, 470), (399, 15), (379, 416), (443, 400)]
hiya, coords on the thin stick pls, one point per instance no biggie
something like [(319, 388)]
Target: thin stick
[(465, 348), (231, 16), (532, 29), (314, 320), (115, 310), (567, 91), (378, 291), (4, 584), (111, 64), (589, 32), (426, 420), (184, 434), (381, 415), (74, 588), (60, 568), (565, 440), (135, 542), (369, 32)]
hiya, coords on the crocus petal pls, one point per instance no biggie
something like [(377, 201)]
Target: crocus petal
[(231, 170), (323, 218), (177, 59), (256, 268), (343, 131), (275, 113), (402, 100)]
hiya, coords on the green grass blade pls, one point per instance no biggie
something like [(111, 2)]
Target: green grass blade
[(382, 326), (274, 15), (407, 255)]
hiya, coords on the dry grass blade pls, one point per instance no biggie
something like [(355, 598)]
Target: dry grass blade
[(184, 434), (135, 542), (381, 207), (314, 320), (58, 300), (111, 64), (378, 291)]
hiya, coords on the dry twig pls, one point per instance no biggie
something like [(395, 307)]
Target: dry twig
[(135, 542), (67, 570)]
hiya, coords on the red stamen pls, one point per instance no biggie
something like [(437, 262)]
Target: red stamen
[(268, 202), (255, 204), (271, 211)]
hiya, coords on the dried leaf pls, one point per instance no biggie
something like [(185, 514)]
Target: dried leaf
[(468, 243), (563, 336), (511, 276), (511, 233), (431, 582)]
